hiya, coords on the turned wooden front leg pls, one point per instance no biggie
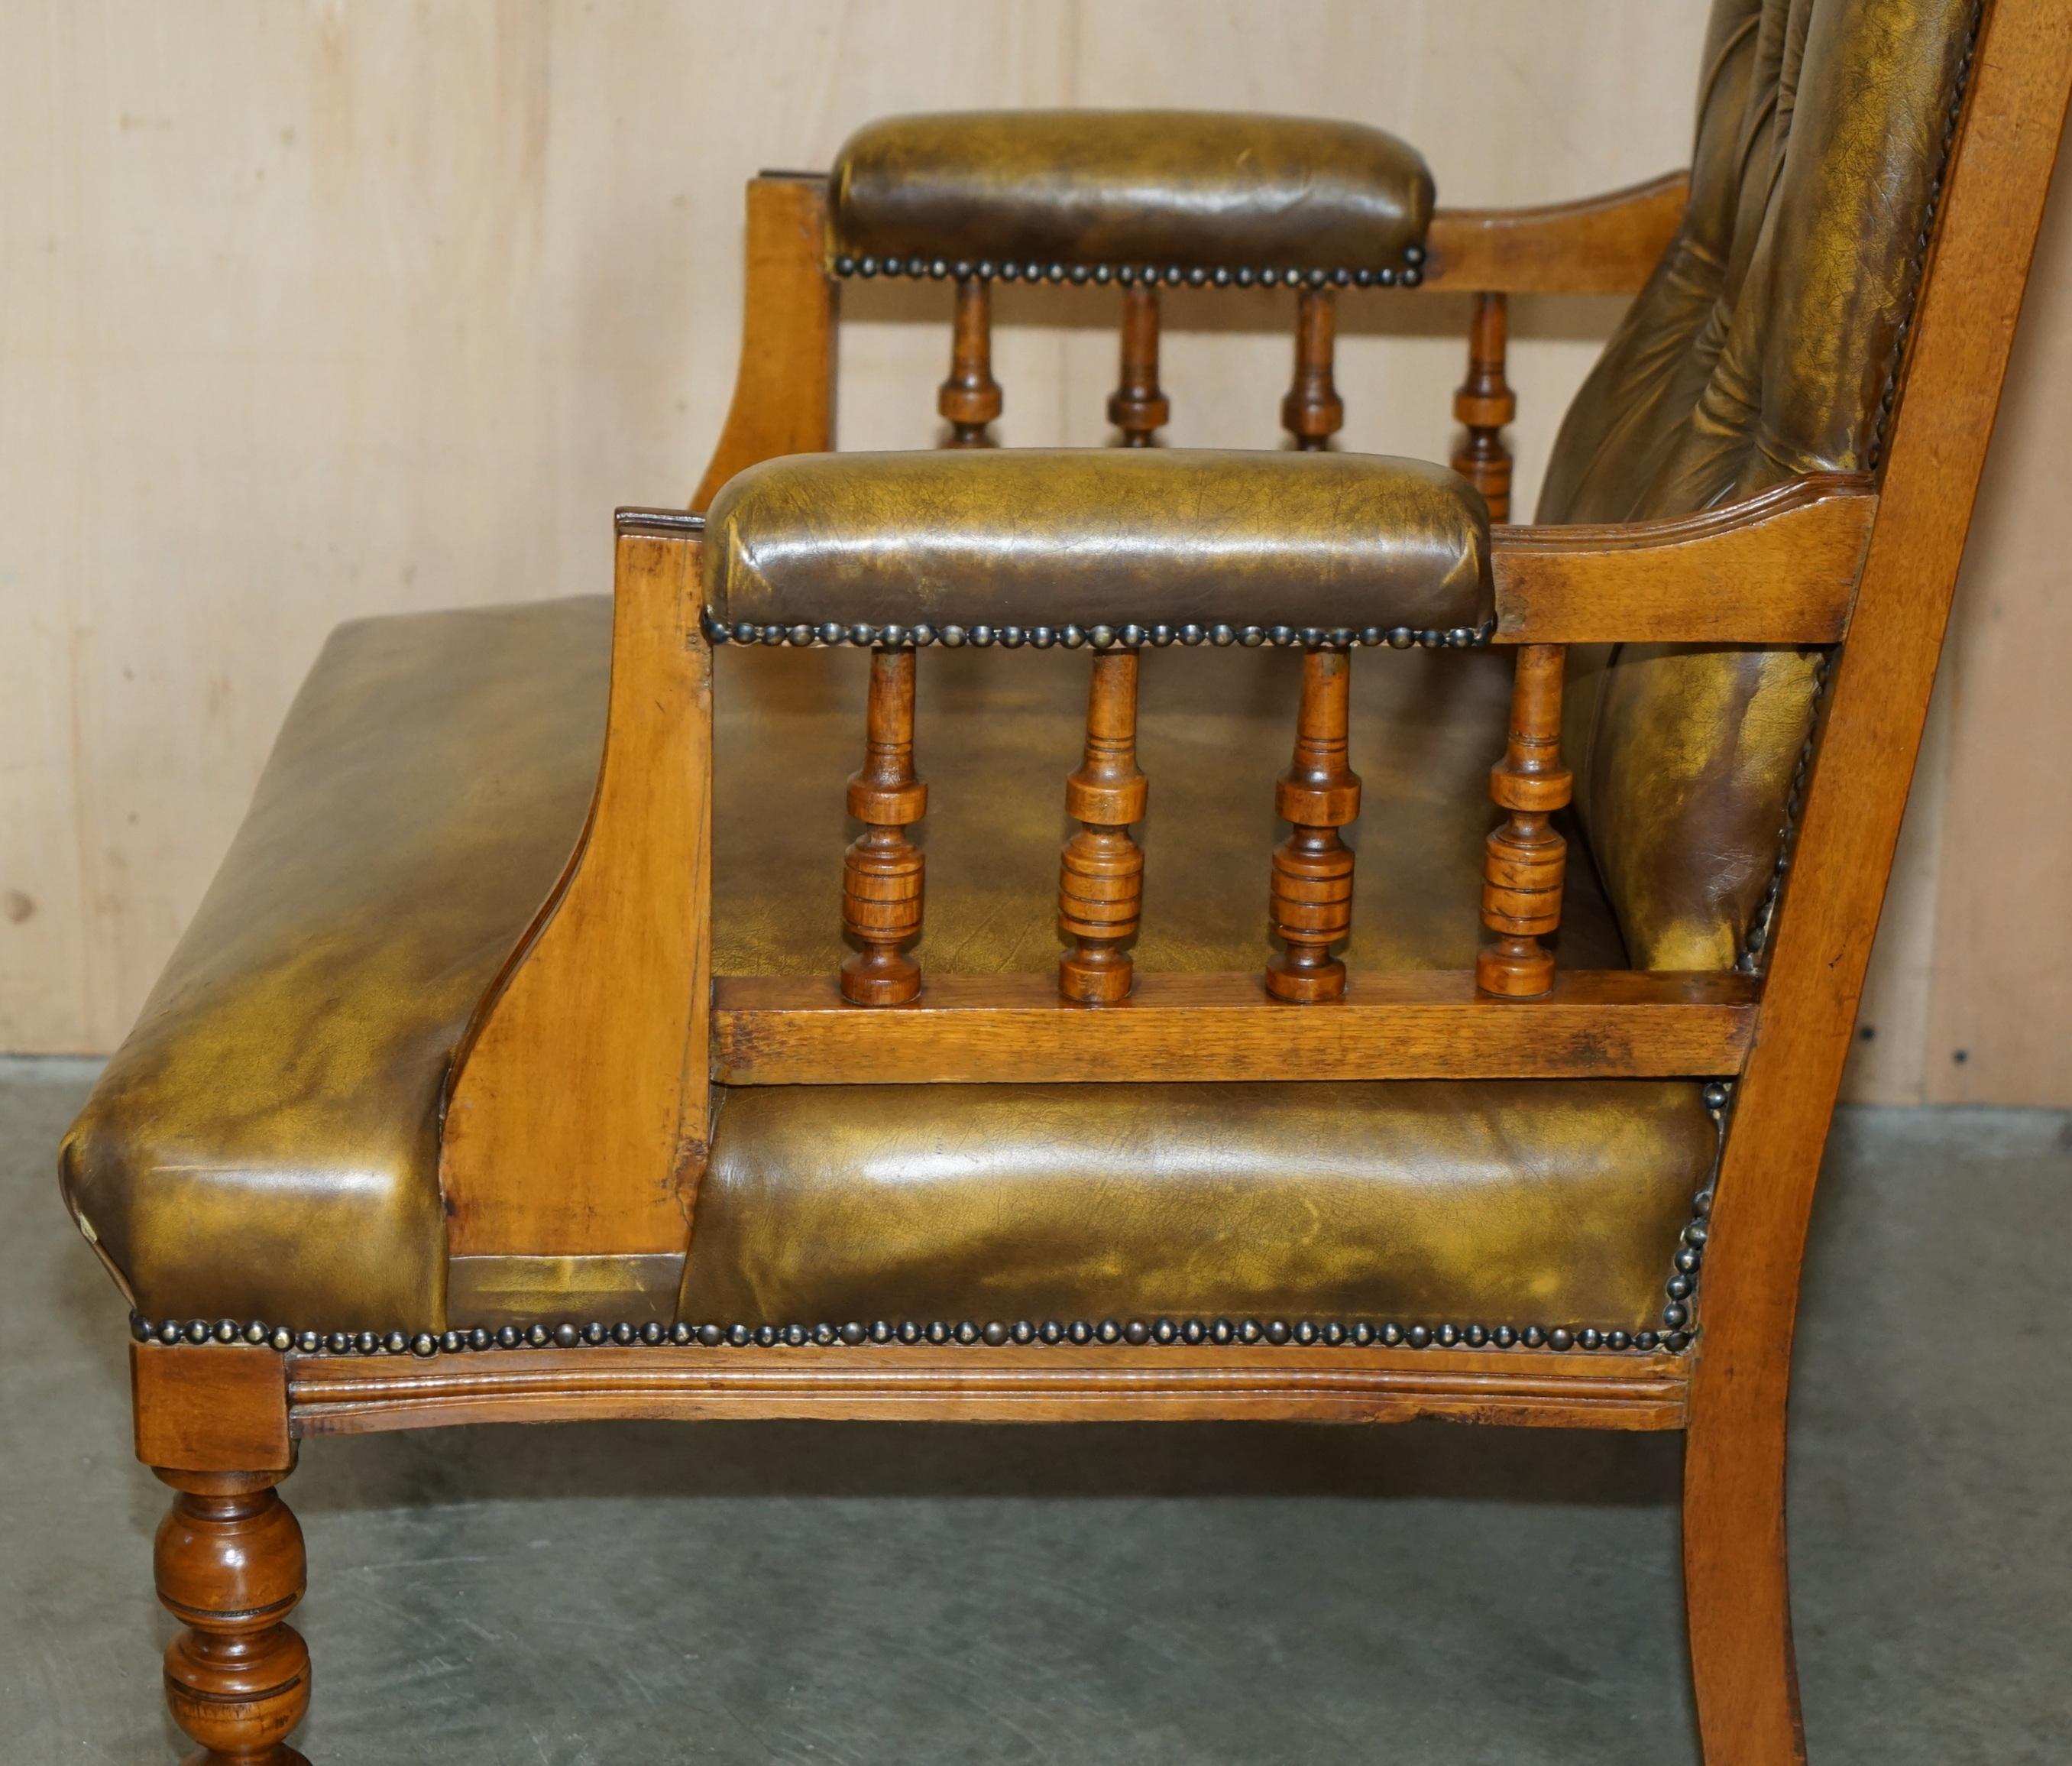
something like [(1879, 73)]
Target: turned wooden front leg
[(1313, 412), (230, 1568), (969, 400), (1138, 407), (1527, 858), (881, 872), (1312, 904), (1100, 884)]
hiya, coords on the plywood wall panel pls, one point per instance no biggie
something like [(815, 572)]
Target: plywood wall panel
[(1999, 1027)]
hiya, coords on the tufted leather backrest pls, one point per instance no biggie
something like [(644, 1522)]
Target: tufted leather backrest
[(1765, 346)]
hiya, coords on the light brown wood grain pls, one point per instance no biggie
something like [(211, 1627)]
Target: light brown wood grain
[(1738, 1597), (1525, 859), (790, 1029), (1778, 568), (1604, 245), (970, 399), (1137, 407), (353, 1395), (213, 1407), (229, 1566), (1311, 410), (1484, 404), (784, 386), (578, 1123)]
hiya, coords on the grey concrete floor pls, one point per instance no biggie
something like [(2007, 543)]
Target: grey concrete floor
[(736, 1593)]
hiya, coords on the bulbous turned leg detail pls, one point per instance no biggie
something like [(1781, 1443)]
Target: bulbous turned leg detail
[(230, 1567)]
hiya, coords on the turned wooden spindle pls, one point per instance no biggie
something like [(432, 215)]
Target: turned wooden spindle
[(1312, 904), (969, 399), (1100, 879), (1138, 407), (1313, 412), (1484, 404), (1526, 858), (882, 870), (230, 1567)]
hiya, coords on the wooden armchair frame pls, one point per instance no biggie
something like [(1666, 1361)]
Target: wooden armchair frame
[(577, 1124)]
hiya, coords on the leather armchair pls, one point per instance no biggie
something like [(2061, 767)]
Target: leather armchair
[(549, 1049)]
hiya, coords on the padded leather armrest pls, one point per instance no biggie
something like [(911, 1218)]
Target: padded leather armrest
[(837, 547), (1055, 191)]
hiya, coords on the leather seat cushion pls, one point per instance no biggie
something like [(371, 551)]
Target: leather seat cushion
[(1520, 1202), (265, 1144)]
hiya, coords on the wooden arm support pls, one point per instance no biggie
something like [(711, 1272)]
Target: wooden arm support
[(1606, 244), (1779, 568), (577, 1123), (784, 385)]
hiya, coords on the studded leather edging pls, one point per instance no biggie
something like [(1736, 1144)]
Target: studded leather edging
[(1129, 636), (1408, 274), (1333, 1333)]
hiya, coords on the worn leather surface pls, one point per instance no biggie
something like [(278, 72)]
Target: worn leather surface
[(1759, 351), (265, 1142), (1048, 536), (1533, 1202), (1193, 189), (264, 1145)]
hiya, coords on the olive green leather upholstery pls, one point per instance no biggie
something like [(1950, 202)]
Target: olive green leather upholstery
[(1098, 536), (265, 1143), (1170, 189), (1762, 347), (1546, 1202)]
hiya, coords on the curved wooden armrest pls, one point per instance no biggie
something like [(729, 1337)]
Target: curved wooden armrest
[(1780, 567), (1606, 244)]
